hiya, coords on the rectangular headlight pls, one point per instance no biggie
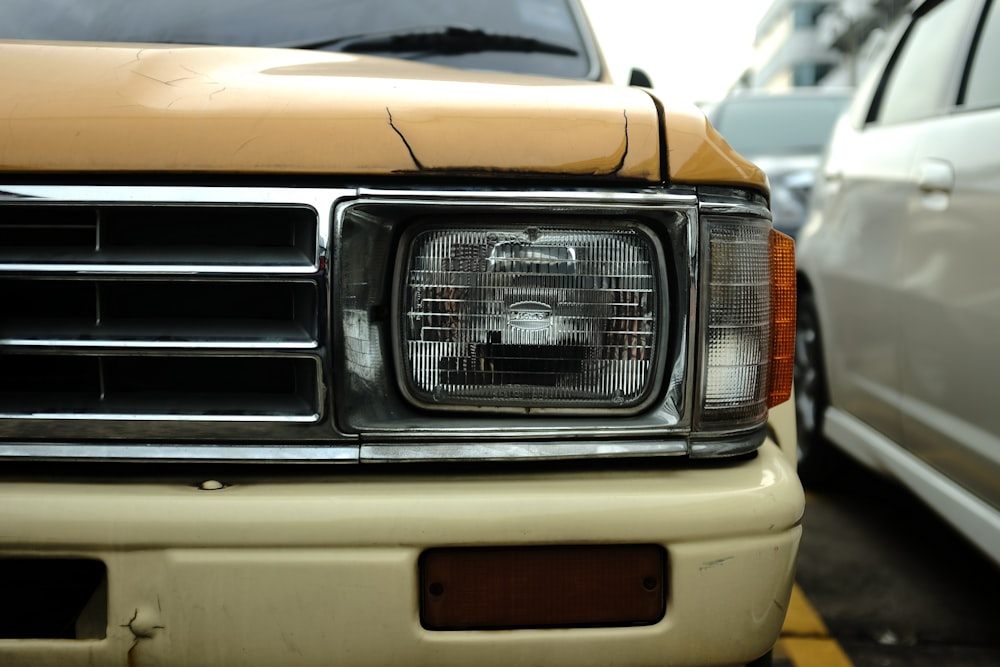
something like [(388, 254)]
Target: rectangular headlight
[(521, 316)]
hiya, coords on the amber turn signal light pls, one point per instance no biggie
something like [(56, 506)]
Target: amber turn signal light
[(782, 257)]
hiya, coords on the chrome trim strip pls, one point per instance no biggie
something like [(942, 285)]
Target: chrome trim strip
[(690, 371), (160, 417), (724, 445), (54, 343), (658, 198), (199, 194), (537, 451), (222, 453), (709, 207), (159, 269), (566, 428)]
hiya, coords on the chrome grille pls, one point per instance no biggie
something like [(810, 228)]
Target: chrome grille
[(128, 308)]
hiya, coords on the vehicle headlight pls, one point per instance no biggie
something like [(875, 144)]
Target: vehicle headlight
[(522, 316)]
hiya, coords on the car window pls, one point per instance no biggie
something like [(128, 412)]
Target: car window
[(983, 87), (295, 22), (780, 125), (923, 67)]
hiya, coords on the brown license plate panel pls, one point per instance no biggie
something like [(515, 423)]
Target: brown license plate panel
[(476, 588)]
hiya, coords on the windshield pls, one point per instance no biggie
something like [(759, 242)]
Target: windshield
[(323, 22), (780, 125)]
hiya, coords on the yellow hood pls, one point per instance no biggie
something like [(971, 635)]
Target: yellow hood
[(69, 107)]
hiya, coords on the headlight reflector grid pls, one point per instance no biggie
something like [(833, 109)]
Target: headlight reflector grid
[(528, 316)]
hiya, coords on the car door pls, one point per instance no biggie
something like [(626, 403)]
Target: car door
[(950, 299), (857, 252), (850, 252), (858, 272)]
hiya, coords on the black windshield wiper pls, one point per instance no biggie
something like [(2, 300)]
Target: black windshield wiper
[(448, 40)]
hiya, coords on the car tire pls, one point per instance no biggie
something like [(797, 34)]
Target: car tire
[(818, 462), (766, 660)]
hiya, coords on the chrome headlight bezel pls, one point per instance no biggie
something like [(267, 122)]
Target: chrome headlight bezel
[(370, 229)]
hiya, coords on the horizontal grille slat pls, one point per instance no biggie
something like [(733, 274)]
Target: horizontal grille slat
[(59, 228), (87, 312), (158, 234), (151, 334), (208, 386)]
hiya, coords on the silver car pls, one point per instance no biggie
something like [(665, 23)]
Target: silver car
[(899, 286), (784, 134)]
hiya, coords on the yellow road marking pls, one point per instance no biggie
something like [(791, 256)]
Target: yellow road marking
[(805, 640), (802, 619)]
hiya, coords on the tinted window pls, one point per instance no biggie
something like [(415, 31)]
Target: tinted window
[(288, 22), (924, 66), (778, 125), (983, 88)]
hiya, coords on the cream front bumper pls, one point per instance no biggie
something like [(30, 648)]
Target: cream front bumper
[(302, 570)]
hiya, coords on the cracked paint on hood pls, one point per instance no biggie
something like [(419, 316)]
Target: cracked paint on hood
[(115, 108), (699, 155)]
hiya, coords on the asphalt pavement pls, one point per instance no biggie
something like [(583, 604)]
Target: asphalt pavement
[(883, 582)]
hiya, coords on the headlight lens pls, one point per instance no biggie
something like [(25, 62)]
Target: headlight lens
[(750, 321), (529, 317)]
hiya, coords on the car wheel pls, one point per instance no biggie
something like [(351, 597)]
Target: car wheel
[(818, 462)]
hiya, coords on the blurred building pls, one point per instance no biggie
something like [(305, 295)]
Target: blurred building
[(788, 51), (826, 43)]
